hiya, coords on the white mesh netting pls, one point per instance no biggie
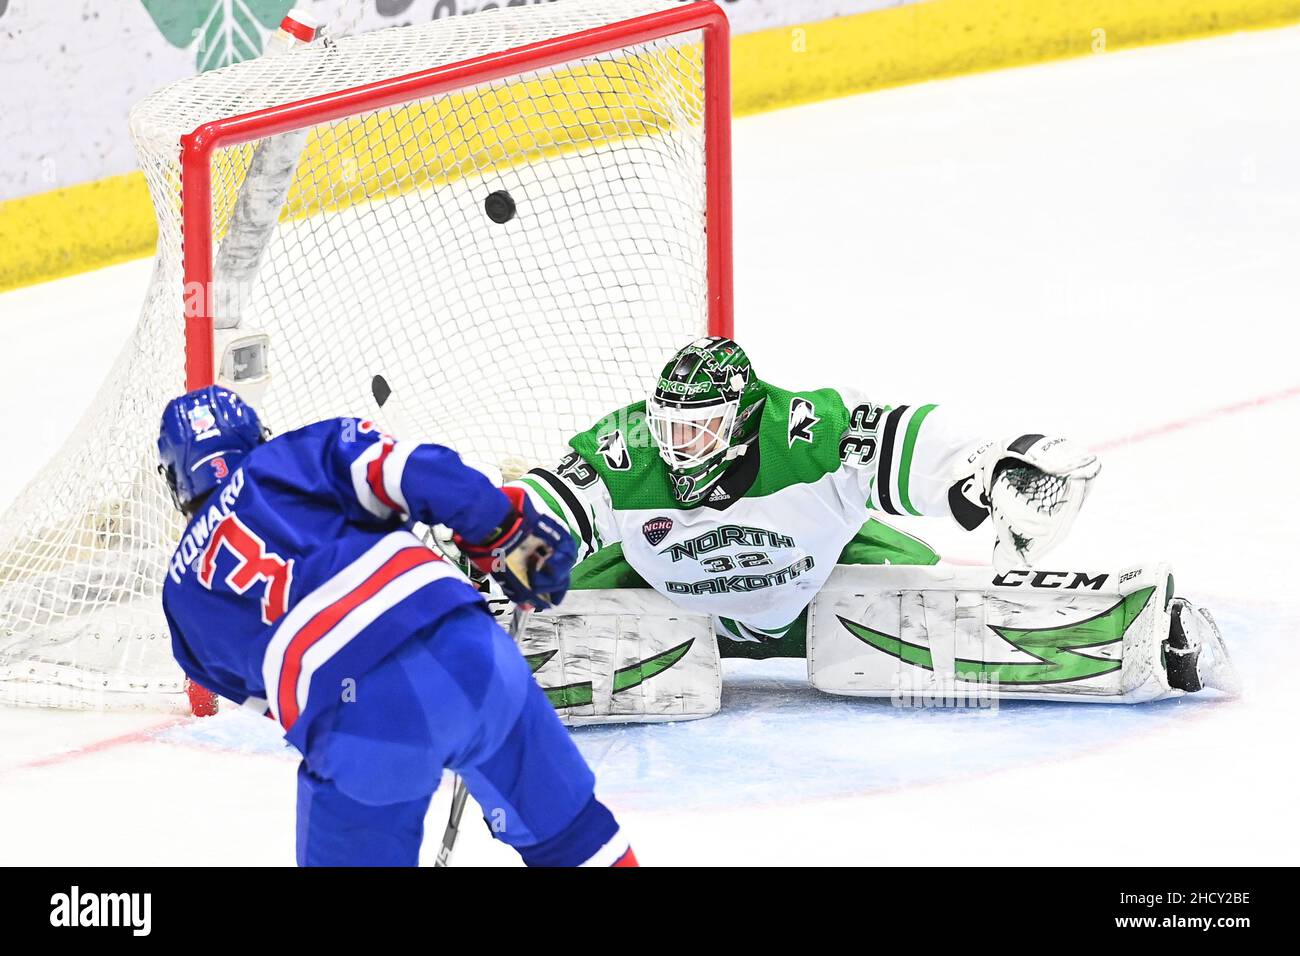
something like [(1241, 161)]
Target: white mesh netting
[(503, 339)]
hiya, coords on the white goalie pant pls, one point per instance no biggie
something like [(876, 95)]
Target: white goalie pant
[(967, 635)]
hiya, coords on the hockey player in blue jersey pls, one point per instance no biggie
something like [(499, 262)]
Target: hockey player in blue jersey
[(298, 589)]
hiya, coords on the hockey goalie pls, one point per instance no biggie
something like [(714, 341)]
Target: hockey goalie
[(727, 517)]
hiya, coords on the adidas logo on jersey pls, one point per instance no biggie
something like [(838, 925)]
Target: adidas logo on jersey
[(719, 494)]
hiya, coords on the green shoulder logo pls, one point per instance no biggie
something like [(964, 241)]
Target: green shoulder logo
[(614, 448), (802, 419), (222, 31), (1057, 650), (625, 678)]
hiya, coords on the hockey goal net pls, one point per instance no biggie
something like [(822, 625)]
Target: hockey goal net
[(513, 216)]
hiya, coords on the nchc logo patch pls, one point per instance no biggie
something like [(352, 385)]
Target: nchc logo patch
[(656, 529)]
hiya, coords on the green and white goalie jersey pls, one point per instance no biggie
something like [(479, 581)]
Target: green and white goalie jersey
[(761, 543)]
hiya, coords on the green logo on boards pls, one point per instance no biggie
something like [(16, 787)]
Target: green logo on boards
[(221, 31)]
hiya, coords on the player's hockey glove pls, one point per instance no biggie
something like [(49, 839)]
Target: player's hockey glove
[(530, 555), (1033, 486)]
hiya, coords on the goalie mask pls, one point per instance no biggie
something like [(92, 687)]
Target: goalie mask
[(702, 414)]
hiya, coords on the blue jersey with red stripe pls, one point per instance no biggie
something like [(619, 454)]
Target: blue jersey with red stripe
[(300, 571)]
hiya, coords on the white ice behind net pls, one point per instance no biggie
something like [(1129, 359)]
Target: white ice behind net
[(504, 339)]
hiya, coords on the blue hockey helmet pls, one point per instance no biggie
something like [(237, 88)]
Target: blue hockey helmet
[(204, 436)]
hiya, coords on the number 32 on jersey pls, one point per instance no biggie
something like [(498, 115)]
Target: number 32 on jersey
[(858, 446)]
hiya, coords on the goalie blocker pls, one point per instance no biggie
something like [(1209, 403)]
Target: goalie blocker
[(930, 633)]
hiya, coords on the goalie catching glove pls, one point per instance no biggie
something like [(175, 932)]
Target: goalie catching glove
[(529, 555), (1034, 487)]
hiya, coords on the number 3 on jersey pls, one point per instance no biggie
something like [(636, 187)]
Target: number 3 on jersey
[(255, 564)]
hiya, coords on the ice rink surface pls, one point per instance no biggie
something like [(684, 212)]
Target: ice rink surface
[(1105, 248)]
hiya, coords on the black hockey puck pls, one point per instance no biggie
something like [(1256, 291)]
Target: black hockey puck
[(500, 207)]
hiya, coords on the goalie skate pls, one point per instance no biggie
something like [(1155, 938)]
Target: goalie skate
[(1195, 655)]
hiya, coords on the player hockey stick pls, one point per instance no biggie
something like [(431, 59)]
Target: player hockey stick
[(391, 406), (395, 415), (510, 468), (460, 793)]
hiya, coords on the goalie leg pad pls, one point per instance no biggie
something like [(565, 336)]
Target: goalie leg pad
[(624, 656), (973, 634)]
